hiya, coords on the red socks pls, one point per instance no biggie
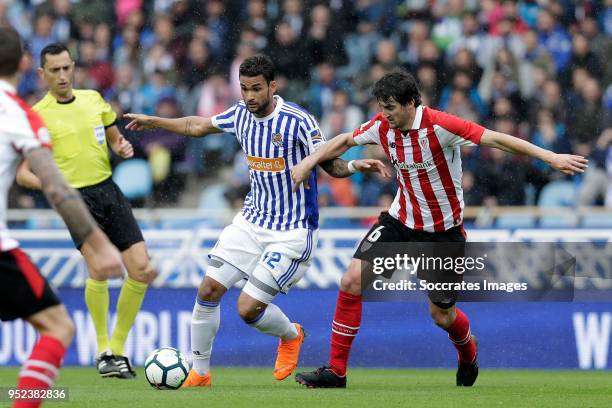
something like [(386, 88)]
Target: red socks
[(345, 326), (41, 368), (459, 333)]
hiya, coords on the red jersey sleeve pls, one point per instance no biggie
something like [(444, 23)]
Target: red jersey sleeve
[(368, 132), (461, 131)]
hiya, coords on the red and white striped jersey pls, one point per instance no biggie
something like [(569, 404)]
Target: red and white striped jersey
[(21, 129), (428, 164)]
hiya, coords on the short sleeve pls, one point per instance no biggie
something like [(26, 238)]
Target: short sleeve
[(310, 134), (368, 132), (458, 131), (26, 128), (226, 121), (109, 117)]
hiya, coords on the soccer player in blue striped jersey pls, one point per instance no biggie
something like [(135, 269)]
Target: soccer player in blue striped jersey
[(270, 242)]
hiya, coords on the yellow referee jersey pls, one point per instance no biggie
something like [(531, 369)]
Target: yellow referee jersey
[(78, 135)]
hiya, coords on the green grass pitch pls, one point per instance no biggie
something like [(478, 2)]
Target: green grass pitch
[(255, 387)]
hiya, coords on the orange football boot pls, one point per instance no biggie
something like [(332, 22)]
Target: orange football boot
[(196, 380), (288, 354)]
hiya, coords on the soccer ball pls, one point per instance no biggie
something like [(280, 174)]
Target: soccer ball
[(166, 368)]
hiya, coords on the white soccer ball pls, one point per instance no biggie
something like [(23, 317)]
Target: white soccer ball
[(166, 368)]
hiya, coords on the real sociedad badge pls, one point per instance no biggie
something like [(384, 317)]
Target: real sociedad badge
[(277, 140)]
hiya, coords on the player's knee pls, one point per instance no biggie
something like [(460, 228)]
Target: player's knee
[(441, 317), (59, 326), (350, 284), (351, 280), (143, 272), (211, 290), (247, 311), (66, 330)]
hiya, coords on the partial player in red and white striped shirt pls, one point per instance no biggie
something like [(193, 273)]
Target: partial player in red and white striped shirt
[(24, 292), (423, 145)]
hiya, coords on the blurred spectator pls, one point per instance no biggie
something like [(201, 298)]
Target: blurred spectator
[(197, 64), (449, 26), (293, 15), (582, 57), (322, 88), (218, 30), (555, 39), (323, 38), (101, 71), (284, 50), (43, 35), (63, 26), (596, 181), (588, 119), (343, 117)]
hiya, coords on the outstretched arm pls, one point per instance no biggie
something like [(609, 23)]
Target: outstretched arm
[(566, 163), (327, 157), (341, 168), (194, 126)]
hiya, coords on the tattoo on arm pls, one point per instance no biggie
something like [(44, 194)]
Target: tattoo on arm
[(66, 200), (336, 168)]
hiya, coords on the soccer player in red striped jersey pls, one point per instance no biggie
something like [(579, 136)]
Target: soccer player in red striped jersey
[(24, 292), (423, 145)]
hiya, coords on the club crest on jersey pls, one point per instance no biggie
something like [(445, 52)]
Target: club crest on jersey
[(277, 140), (424, 143)]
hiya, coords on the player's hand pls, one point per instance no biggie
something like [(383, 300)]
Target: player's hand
[(300, 174), (371, 166), (123, 148), (106, 259), (138, 121), (569, 164)]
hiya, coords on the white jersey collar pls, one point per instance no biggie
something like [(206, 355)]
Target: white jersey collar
[(418, 117), (277, 109)]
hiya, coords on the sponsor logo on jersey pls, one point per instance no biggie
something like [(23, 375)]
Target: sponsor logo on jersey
[(266, 164), (427, 164)]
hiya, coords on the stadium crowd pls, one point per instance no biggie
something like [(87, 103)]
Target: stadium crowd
[(533, 69)]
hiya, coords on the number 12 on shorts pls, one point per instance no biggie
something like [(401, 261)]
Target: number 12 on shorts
[(272, 258)]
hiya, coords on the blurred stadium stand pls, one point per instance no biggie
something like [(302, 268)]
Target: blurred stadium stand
[(536, 69)]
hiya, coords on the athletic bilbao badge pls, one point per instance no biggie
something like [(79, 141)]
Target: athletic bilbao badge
[(424, 143)]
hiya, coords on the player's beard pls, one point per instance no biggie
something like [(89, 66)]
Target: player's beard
[(261, 108)]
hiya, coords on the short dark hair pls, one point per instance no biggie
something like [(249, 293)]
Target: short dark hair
[(11, 50), (398, 85), (52, 49), (258, 65)]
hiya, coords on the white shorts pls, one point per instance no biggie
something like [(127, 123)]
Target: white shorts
[(278, 259)]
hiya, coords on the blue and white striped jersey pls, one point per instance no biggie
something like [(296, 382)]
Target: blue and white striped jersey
[(274, 145)]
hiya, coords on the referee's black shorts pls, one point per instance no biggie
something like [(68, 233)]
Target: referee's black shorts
[(23, 290), (390, 230), (113, 213)]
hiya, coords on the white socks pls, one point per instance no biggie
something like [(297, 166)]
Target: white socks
[(274, 322), (204, 326)]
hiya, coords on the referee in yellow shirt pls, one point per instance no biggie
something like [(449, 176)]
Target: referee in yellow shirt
[(82, 127)]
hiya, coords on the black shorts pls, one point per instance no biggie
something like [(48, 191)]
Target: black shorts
[(113, 213), (23, 290), (390, 230)]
